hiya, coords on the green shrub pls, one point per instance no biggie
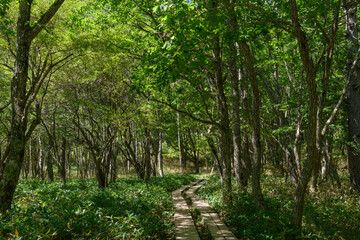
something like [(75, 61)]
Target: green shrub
[(327, 214), (126, 209)]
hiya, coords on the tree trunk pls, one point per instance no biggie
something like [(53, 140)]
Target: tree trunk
[(214, 152), (225, 131), (11, 172), (179, 142), (196, 162), (100, 173), (49, 166), (114, 164), (312, 150), (31, 157), (234, 77), (245, 145), (291, 165), (24, 36), (86, 164), (155, 152), (62, 165), (256, 166), (41, 161), (354, 94), (160, 157), (147, 157)]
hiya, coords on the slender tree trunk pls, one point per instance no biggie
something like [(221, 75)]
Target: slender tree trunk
[(234, 77), (86, 163), (81, 162), (354, 94), (179, 142), (147, 156), (312, 149), (30, 157), (245, 145), (49, 166), (41, 160), (68, 158), (155, 152), (26, 165), (62, 165), (160, 158), (196, 162), (114, 163), (225, 131), (297, 147), (77, 162), (328, 170), (214, 152), (256, 102)]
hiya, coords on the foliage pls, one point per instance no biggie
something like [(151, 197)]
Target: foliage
[(125, 210), (127, 66), (329, 214)]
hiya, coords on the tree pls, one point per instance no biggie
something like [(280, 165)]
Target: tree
[(20, 101), (354, 93), (314, 111)]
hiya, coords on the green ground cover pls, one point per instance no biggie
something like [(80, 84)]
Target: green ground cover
[(329, 214), (127, 209)]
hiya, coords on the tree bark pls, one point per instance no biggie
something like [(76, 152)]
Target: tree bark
[(160, 157), (100, 173), (18, 136), (256, 102), (239, 165), (179, 142), (13, 166), (155, 151), (225, 131), (245, 144), (147, 155), (312, 150), (49, 166), (62, 165), (41, 160), (352, 35), (225, 139)]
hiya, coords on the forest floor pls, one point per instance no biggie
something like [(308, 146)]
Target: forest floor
[(127, 209), (330, 213), (130, 209)]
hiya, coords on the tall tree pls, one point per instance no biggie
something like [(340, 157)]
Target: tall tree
[(256, 141), (352, 35), (312, 150), (20, 132), (240, 168)]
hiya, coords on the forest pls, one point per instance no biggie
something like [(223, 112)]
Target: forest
[(109, 106)]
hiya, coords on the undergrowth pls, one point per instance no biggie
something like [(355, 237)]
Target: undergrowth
[(328, 214), (126, 209)]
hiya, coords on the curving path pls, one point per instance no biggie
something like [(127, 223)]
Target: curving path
[(185, 227)]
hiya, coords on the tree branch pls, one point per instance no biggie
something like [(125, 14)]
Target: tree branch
[(186, 113), (44, 19), (4, 107), (342, 97)]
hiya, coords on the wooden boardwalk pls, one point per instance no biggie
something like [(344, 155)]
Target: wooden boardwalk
[(185, 227)]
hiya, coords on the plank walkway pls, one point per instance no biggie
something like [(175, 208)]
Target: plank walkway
[(185, 227)]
